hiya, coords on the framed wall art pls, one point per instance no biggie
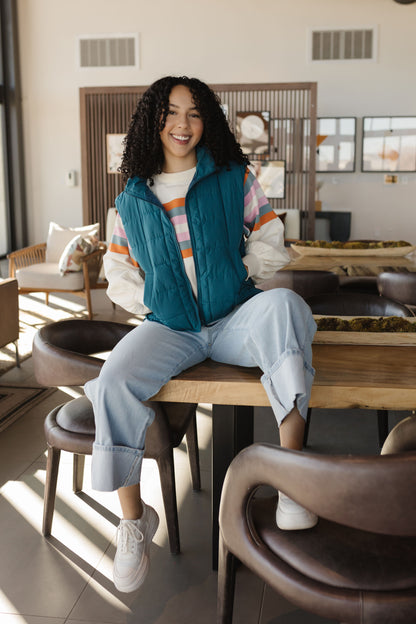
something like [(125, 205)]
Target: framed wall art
[(271, 175), (335, 144), (253, 132), (389, 144), (115, 149)]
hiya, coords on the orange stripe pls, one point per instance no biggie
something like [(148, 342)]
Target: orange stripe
[(118, 249), (269, 216), (246, 175), (124, 251), (186, 253), (175, 203)]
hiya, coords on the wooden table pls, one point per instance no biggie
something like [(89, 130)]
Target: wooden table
[(347, 376)]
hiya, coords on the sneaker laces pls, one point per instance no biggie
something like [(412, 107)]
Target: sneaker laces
[(129, 536)]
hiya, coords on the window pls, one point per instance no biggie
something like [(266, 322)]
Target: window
[(12, 205)]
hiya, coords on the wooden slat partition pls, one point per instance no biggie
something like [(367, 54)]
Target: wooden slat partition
[(292, 107)]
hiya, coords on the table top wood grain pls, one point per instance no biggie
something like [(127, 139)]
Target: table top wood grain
[(347, 376), (328, 263)]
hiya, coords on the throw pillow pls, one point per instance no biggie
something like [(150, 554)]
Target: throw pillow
[(75, 249), (59, 237)]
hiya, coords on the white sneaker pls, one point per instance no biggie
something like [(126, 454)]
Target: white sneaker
[(131, 563), (292, 517)]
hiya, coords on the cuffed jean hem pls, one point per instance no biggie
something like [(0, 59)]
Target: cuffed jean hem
[(115, 466), (288, 383)]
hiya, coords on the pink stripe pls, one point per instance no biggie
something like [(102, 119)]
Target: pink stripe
[(249, 196), (179, 219), (182, 236), (119, 231)]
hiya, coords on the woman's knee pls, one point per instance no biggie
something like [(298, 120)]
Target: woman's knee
[(284, 298)]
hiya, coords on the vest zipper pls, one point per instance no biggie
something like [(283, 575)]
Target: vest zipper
[(191, 234)]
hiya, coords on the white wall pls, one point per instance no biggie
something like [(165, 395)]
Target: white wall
[(220, 42)]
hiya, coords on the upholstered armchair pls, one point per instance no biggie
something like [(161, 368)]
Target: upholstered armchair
[(70, 261), (9, 314)]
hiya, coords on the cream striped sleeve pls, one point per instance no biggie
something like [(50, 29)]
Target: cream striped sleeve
[(124, 276), (265, 247)]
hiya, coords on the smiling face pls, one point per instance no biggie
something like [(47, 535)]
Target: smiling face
[(182, 132)]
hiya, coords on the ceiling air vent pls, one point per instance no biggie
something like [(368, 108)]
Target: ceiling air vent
[(109, 51), (343, 45)]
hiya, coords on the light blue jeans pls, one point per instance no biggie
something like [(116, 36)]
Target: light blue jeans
[(273, 330)]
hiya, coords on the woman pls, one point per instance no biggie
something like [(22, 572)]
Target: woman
[(193, 233)]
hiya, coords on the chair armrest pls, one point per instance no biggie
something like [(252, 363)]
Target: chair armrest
[(340, 488), (99, 252), (34, 254), (91, 265)]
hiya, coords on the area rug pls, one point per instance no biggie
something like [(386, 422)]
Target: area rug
[(17, 400), (33, 314)]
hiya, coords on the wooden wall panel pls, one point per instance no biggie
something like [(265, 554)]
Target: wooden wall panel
[(292, 107)]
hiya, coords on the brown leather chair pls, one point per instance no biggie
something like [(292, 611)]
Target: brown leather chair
[(357, 565), (62, 354), (398, 286), (358, 283), (357, 304), (402, 437), (305, 283)]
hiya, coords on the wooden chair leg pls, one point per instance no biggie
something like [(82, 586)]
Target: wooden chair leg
[(193, 453), (307, 424), (52, 467), (47, 298), (226, 584), (17, 354), (168, 485), (78, 472), (89, 304), (383, 426)]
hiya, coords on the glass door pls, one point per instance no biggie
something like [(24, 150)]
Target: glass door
[(4, 221)]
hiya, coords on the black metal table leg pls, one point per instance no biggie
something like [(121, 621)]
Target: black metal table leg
[(232, 430)]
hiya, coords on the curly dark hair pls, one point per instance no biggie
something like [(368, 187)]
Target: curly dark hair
[(143, 153)]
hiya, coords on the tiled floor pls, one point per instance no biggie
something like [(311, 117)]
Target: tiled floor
[(67, 578)]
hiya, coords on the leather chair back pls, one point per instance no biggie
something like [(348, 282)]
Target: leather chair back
[(356, 304), (304, 283), (398, 286), (65, 353)]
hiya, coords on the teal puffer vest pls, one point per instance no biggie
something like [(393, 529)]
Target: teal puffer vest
[(215, 211)]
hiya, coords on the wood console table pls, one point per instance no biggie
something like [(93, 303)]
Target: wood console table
[(347, 376), (328, 263)]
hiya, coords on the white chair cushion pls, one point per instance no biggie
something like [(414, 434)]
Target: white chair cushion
[(109, 225), (46, 275), (59, 237)]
